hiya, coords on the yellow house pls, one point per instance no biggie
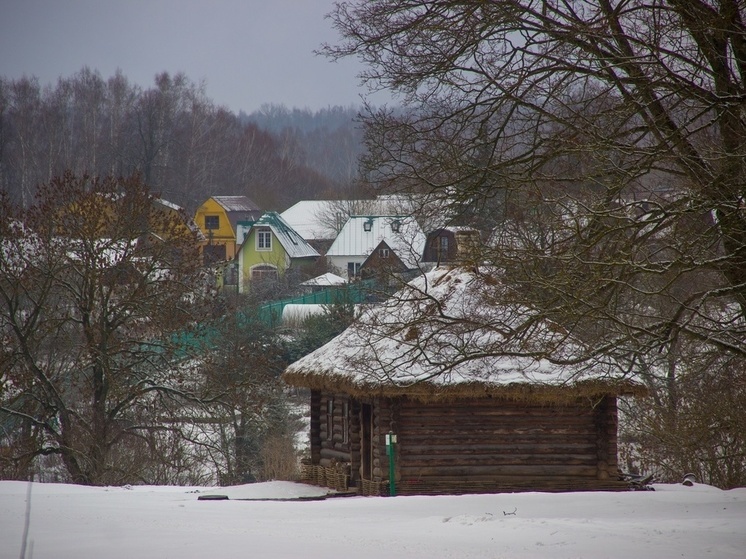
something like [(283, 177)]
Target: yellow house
[(99, 210), (218, 218), (170, 220)]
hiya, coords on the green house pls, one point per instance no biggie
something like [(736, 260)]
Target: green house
[(271, 248)]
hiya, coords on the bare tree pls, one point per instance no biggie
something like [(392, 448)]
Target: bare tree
[(98, 290), (604, 144), (185, 147), (21, 147), (333, 214), (695, 425), (616, 124), (247, 420)]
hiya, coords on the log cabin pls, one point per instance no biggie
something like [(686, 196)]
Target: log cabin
[(458, 377), (451, 245)]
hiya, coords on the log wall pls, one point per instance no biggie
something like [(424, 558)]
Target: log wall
[(490, 445), (334, 446), (486, 445)]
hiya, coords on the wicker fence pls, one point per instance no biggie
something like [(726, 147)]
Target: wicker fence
[(335, 477)]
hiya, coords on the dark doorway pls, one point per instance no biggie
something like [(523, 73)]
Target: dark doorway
[(366, 441)]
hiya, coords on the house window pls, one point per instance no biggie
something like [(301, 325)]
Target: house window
[(383, 253), (368, 225), (264, 240), (330, 419), (440, 247), (212, 222), (346, 422), (395, 225), (353, 270), (263, 273)]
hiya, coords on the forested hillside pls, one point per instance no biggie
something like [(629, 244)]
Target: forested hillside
[(331, 139), (184, 146)]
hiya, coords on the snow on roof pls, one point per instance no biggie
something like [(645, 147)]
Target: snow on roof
[(188, 221), (298, 313), (325, 280), (459, 229), (354, 240), (431, 210), (168, 204), (445, 334), (236, 203), (305, 218), (295, 245)]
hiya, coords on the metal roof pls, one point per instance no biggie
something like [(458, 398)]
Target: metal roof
[(236, 203), (306, 217), (354, 240), (295, 245)]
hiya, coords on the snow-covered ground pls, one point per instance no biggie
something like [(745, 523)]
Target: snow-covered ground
[(67, 521)]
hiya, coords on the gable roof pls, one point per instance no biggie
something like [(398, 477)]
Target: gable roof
[(447, 335), (188, 220), (236, 204), (325, 280), (295, 245), (305, 218), (238, 208), (389, 263), (354, 240)]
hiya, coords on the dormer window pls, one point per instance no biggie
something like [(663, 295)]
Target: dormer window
[(368, 225), (440, 247), (264, 239), (395, 225), (384, 252), (212, 222)]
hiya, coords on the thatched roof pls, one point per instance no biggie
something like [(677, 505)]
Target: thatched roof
[(451, 334)]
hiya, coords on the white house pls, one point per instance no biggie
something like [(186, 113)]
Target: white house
[(310, 218), (392, 235)]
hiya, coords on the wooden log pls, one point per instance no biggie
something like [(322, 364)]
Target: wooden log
[(464, 438), (467, 414), (410, 449), (473, 407), (483, 425), (487, 429), (422, 460), (509, 470), (495, 477), (420, 487), (472, 410), (517, 460), (331, 454)]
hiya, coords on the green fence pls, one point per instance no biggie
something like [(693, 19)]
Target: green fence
[(353, 294), (207, 335)]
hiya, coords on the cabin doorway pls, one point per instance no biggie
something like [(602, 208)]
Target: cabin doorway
[(366, 441)]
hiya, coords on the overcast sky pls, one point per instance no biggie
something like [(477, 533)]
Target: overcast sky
[(248, 52)]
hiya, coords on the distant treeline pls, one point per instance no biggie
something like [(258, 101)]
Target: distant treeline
[(184, 146)]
